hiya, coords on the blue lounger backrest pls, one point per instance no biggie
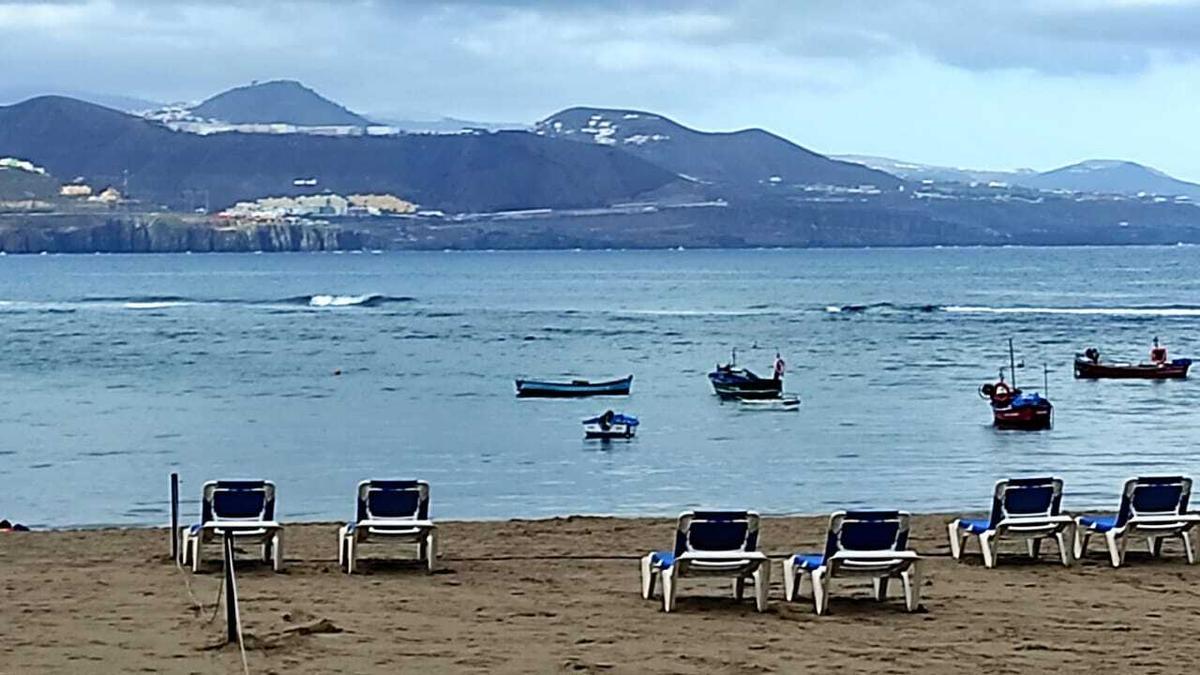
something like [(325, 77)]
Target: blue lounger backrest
[(238, 500), (1154, 495), (867, 531), (392, 499), (717, 531), (1025, 497)]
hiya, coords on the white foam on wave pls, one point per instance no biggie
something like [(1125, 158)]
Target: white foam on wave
[(833, 309), (339, 300), (154, 305), (1080, 311)]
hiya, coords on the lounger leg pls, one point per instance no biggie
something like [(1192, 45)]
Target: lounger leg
[(342, 547), (739, 588), (820, 593), (195, 554), (1064, 548), (277, 551), (1033, 547), (1115, 554), (956, 539), (668, 588), (912, 586), (985, 545), (1186, 537), (648, 577), (880, 587), (1155, 544), (1081, 540), (789, 581), (351, 553), (431, 550), (762, 585)]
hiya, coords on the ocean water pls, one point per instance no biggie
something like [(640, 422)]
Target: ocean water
[(117, 370)]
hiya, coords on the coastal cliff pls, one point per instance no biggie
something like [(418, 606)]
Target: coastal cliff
[(154, 234)]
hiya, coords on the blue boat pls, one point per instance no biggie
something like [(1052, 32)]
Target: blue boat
[(573, 389), (732, 382)]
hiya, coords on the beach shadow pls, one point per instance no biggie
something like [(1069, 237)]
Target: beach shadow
[(397, 566)]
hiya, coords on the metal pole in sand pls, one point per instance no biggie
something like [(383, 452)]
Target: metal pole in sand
[(233, 618), (174, 516)]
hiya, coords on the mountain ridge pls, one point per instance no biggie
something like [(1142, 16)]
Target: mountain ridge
[(747, 156)]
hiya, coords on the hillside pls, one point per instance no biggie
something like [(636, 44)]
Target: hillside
[(282, 101), (749, 157), (473, 172), (941, 174), (1112, 176)]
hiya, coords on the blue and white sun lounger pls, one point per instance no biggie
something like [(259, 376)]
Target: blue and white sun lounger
[(244, 508), (1029, 508), (711, 543), (859, 543), (395, 511), (1154, 507)]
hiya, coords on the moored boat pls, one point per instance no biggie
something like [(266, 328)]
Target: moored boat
[(610, 425), (573, 389), (1016, 409), (732, 382), (1088, 366)]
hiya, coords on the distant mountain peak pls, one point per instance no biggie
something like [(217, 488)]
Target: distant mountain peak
[(277, 101)]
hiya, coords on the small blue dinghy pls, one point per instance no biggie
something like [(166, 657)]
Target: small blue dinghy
[(610, 425)]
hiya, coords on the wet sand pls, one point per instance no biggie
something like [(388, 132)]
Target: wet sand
[(562, 595)]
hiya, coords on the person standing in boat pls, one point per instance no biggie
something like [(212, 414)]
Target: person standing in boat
[(779, 366)]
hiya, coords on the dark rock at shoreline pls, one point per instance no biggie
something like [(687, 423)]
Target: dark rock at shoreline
[(141, 234)]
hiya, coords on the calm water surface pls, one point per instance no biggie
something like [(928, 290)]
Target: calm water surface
[(117, 370)]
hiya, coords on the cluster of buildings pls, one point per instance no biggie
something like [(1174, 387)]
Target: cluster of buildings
[(319, 206)]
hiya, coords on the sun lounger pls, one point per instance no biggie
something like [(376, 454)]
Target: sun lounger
[(1154, 507), (1028, 508), (710, 543), (395, 511), (245, 509), (859, 543)]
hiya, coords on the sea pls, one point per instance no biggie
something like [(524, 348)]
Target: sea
[(317, 371)]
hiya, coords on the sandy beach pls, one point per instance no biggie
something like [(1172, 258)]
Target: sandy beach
[(562, 595)]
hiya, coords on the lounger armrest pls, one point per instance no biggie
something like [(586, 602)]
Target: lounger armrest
[(398, 524), (1063, 519), (235, 525), (874, 555), (722, 556), (1165, 520)]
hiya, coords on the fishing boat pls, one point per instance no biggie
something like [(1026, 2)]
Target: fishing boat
[(732, 382), (1016, 409), (785, 403), (610, 425), (1088, 366), (573, 389)]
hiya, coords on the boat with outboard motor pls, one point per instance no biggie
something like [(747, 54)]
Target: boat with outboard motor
[(573, 389), (610, 425), (1088, 366), (732, 382), (1016, 409)]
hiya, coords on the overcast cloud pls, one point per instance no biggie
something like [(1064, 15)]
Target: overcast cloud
[(987, 84)]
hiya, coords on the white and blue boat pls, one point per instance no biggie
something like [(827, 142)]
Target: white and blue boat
[(610, 425), (573, 389)]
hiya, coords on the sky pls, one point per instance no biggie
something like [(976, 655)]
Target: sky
[(1004, 84)]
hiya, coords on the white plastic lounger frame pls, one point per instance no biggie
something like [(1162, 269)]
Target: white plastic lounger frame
[(859, 543), (245, 508), (711, 543), (395, 511), (1029, 508), (1154, 507)]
